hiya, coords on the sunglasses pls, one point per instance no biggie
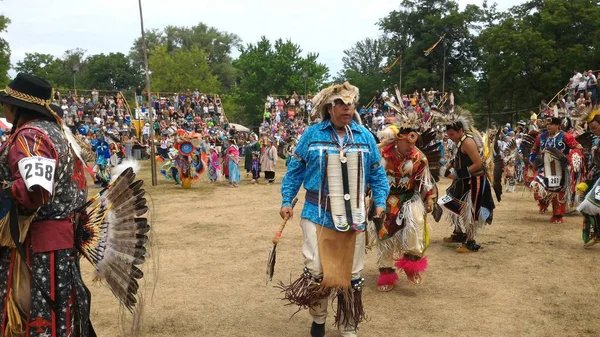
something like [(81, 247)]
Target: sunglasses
[(411, 137), (339, 102)]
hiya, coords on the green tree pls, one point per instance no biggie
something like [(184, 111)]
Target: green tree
[(111, 72), (273, 69), (58, 71), (416, 26), (43, 65), (4, 52), (217, 45), (182, 69), (530, 52), (363, 67)]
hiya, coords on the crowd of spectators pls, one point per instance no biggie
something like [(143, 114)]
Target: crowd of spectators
[(383, 103)]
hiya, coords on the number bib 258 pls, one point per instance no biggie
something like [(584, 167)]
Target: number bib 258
[(38, 171)]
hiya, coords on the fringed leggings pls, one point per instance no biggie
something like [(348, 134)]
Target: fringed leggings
[(58, 275), (591, 227), (312, 261), (558, 201)]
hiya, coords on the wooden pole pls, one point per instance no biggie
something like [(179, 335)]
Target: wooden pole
[(400, 84), (444, 72), (150, 112)]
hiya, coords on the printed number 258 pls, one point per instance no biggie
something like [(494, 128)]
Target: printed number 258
[(40, 171)]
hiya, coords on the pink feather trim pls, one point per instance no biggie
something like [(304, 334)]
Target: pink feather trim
[(411, 266), (387, 279)]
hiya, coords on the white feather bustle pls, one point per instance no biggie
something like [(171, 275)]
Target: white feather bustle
[(587, 207), (386, 136), (411, 217), (72, 141), (125, 164)]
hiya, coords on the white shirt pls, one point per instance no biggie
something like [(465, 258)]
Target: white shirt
[(576, 79)]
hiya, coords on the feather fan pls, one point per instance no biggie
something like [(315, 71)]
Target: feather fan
[(586, 140), (112, 235), (431, 149), (511, 152), (527, 145)]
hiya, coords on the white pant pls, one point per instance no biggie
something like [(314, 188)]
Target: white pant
[(312, 261)]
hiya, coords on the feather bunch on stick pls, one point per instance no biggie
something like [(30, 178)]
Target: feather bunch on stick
[(271, 260)]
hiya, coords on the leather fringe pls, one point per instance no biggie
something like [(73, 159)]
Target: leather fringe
[(350, 310), (305, 292)]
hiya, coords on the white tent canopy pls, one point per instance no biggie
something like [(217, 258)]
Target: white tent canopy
[(239, 127), (4, 124)]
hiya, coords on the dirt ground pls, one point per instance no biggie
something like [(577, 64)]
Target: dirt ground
[(532, 278)]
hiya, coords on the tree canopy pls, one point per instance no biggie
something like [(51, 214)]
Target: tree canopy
[(364, 66), (496, 62), (216, 46), (113, 71), (277, 68), (172, 70), (417, 26), (530, 52), (4, 52)]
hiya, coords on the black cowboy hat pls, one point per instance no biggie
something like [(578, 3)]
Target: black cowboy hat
[(32, 93), (554, 121)]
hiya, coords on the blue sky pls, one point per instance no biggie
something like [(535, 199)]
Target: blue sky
[(326, 27)]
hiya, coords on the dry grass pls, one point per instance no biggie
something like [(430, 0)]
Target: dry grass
[(532, 278)]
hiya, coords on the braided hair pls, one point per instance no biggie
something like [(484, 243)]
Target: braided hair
[(456, 126), (24, 115)]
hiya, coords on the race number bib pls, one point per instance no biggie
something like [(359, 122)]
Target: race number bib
[(445, 199), (554, 181), (38, 171), (597, 193)]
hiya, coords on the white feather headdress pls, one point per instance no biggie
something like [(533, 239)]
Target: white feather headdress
[(460, 118)]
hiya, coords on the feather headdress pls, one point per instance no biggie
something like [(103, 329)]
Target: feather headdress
[(345, 92), (460, 118), (588, 114), (406, 121)]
